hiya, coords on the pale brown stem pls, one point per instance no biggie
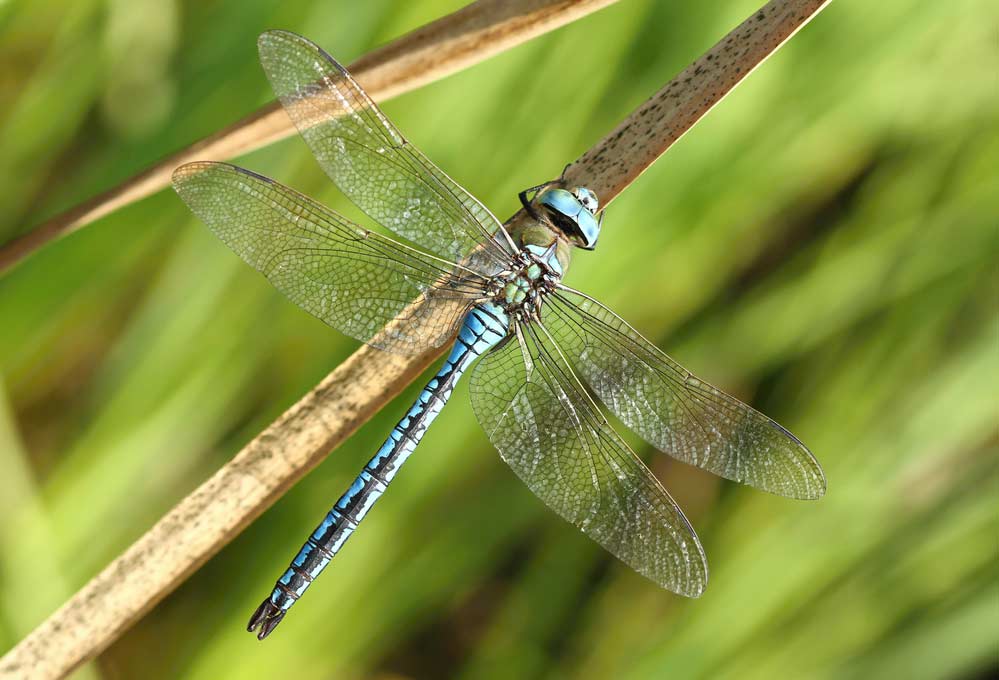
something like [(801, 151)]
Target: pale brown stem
[(624, 154), (450, 44), (206, 520)]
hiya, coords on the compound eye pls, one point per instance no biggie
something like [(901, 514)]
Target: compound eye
[(587, 198)]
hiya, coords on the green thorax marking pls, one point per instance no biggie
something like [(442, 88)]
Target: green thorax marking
[(534, 272)]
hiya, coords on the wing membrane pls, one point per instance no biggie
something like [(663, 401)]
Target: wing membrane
[(675, 411), (549, 431), (370, 160), (355, 280)]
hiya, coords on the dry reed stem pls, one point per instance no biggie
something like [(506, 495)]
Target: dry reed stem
[(201, 524), (450, 44)]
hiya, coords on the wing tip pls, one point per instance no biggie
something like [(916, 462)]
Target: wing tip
[(183, 174), (701, 584), (814, 486), (694, 585), (815, 483), (695, 582), (819, 490), (811, 487), (188, 175), (273, 42), (275, 35), (695, 589), (270, 42)]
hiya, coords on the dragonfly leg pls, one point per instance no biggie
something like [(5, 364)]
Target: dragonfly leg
[(524, 201)]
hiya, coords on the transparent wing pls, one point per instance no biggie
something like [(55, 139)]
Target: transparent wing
[(549, 431), (369, 160), (672, 409), (355, 280)]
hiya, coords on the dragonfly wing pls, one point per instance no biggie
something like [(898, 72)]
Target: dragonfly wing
[(675, 411), (355, 280), (547, 428), (369, 159)]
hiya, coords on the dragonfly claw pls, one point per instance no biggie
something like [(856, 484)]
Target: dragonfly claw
[(267, 617)]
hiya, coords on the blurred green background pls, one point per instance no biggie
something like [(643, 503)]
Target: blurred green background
[(824, 245)]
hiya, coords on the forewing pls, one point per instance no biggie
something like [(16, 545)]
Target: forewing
[(355, 280), (672, 409), (549, 431), (369, 160)]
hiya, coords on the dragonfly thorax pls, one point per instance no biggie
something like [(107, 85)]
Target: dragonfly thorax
[(520, 289)]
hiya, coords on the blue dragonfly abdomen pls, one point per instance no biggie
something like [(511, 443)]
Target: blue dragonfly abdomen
[(483, 328)]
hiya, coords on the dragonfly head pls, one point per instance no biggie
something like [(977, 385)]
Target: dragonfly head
[(574, 214)]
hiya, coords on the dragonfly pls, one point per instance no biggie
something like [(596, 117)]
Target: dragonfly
[(543, 356)]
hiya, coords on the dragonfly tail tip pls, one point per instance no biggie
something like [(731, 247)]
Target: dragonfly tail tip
[(267, 617)]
